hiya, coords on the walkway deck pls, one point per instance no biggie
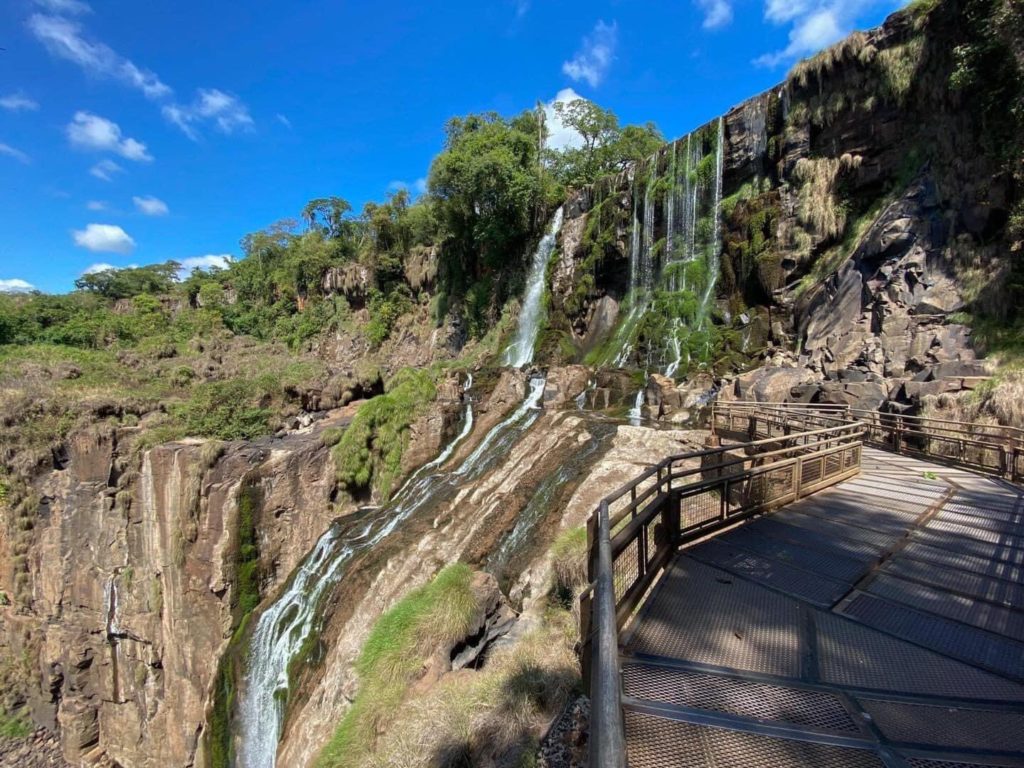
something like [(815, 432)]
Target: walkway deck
[(877, 623)]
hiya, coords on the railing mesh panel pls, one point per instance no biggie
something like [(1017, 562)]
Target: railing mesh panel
[(626, 569)]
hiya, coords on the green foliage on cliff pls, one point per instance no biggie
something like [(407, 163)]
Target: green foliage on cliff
[(399, 644), (369, 453)]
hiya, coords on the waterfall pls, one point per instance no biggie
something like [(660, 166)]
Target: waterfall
[(636, 413), (714, 262), (286, 623), (520, 351)]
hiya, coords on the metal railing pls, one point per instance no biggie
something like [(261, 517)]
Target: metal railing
[(988, 448), (635, 531)]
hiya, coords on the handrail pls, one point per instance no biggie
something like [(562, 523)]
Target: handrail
[(607, 732), (732, 482), (989, 448)]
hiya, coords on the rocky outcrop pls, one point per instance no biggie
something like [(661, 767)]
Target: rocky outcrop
[(135, 586)]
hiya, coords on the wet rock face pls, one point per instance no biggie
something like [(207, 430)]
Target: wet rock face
[(134, 585)]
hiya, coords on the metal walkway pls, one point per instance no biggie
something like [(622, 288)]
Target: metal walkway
[(879, 622)]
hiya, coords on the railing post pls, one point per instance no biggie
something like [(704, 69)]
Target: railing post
[(607, 730)]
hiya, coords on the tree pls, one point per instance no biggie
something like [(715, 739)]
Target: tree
[(606, 148), (328, 215), (131, 281)]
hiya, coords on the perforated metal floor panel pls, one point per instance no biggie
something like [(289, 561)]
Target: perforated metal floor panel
[(1001, 589), (657, 742), (950, 638), (707, 615), (745, 698), (960, 727), (877, 623)]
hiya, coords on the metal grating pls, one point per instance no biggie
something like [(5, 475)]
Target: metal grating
[(975, 532), (626, 569), (834, 527), (707, 615), (951, 638), (753, 538), (949, 727), (999, 526), (745, 698), (860, 551), (969, 546), (817, 590), (853, 655), (965, 609), (924, 762), (656, 742), (999, 589), (700, 508)]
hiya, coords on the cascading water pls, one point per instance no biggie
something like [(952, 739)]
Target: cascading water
[(675, 254), (284, 626), (520, 351), (636, 413)]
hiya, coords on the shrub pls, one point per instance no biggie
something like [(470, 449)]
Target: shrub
[(399, 644), (369, 453)]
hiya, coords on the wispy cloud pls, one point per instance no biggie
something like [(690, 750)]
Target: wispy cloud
[(814, 25), (64, 39), (103, 238), (522, 8), (14, 285), (19, 102), (92, 132), (213, 106), (65, 7), (717, 13), (17, 154), (595, 56), (96, 205), (415, 188), (151, 206), (105, 170), (210, 261), (283, 120)]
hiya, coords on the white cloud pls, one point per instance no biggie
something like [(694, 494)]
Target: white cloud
[(19, 102), (14, 285), (104, 238), (595, 56), (220, 261), (415, 188), (96, 205), (151, 206), (211, 105), (781, 11), (105, 170), (561, 136), (65, 7), (717, 13), (283, 120), (17, 154), (815, 25), (64, 39), (102, 266), (89, 131)]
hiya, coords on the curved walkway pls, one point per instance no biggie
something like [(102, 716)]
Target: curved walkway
[(876, 623)]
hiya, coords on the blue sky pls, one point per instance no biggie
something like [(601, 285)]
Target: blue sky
[(132, 133)]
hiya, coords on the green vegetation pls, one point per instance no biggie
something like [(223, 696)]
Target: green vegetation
[(247, 592), (14, 726), (393, 656), (369, 453), (607, 147)]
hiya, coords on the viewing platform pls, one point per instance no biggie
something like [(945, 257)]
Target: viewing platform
[(878, 621)]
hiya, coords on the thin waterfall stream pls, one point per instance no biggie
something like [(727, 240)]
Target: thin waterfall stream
[(285, 624), (520, 351)]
